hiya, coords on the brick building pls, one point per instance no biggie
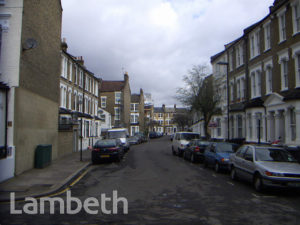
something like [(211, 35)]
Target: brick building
[(115, 97), (30, 62), (137, 114), (264, 79)]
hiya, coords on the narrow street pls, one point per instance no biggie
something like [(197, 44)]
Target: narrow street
[(165, 189)]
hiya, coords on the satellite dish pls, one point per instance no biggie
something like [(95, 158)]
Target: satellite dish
[(30, 43)]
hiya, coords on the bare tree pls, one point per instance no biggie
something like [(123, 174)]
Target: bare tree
[(199, 93), (183, 119)]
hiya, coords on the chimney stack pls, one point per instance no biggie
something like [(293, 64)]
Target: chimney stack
[(64, 45), (126, 77), (80, 60)]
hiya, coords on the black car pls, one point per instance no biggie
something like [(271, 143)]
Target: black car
[(194, 151), (107, 149), (294, 150), (153, 134)]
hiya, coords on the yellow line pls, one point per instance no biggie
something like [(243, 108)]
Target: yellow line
[(61, 192)]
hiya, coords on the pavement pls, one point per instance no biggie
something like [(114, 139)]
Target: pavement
[(46, 181)]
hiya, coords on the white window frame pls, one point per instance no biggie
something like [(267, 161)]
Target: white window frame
[(283, 57), (296, 55), (80, 78), (64, 67), (239, 55), (296, 16), (231, 88), (71, 70), (267, 35), (292, 115), (117, 114), (255, 75), (254, 44), (268, 68), (103, 102), (70, 98), (134, 107), (230, 59), (134, 117), (282, 25), (118, 98)]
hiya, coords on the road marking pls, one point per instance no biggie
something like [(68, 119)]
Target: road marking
[(256, 196), (214, 175), (230, 183)]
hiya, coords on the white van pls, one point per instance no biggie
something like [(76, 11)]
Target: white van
[(120, 133), (181, 140)]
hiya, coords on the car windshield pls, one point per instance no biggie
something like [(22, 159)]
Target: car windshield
[(117, 134), (273, 154), (105, 143), (189, 136), (225, 147)]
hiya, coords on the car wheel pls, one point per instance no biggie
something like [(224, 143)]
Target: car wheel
[(217, 167), (258, 183), (233, 174)]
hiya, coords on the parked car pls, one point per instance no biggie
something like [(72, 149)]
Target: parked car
[(142, 137), (107, 149), (195, 149), (134, 140), (181, 140), (217, 155), (152, 134), (120, 133), (265, 166)]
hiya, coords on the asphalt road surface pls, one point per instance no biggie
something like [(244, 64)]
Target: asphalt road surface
[(164, 189)]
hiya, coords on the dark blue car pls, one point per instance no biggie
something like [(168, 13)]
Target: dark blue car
[(217, 154)]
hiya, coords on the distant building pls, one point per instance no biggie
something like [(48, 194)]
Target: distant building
[(115, 98), (137, 114)]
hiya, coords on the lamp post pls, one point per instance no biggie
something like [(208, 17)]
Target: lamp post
[(227, 84), (80, 102)]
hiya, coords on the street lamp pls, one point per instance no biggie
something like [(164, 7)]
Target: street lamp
[(227, 84), (80, 102)]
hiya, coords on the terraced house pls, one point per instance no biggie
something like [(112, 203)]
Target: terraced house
[(263, 79), (79, 109), (137, 114), (115, 98), (30, 33)]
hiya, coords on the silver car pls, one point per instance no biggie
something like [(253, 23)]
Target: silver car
[(265, 166)]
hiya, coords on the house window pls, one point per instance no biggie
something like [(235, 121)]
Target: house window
[(75, 101), (250, 125), (232, 91), (117, 113), (134, 130), (239, 55), (243, 88), (269, 79), (259, 126), (134, 107), (117, 98), (134, 118), (296, 16), (240, 126), (293, 124), (103, 102), (80, 103), (267, 30), (87, 129), (76, 75), (232, 126), (80, 78), (282, 27), (255, 44), (231, 60), (258, 81), (64, 66), (284, 77), (253, 85), (160, 115), (70, 71), (96, 129), (70, 99)]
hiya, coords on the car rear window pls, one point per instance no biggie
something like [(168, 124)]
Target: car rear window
[(225, 147), (189, 136), (202, 143), (105, 143)]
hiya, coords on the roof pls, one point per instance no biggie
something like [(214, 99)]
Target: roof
[(291, 94), (109, 86), (214, 57), (158, 110), (135, 98), (257, 102)]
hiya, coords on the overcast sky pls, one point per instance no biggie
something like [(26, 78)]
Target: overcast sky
[(155, 41)]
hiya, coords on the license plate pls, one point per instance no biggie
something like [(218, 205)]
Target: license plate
[(104, 156)]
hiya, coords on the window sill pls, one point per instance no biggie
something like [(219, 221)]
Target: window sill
[(267, 50), (295, 34), (281, 42)]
